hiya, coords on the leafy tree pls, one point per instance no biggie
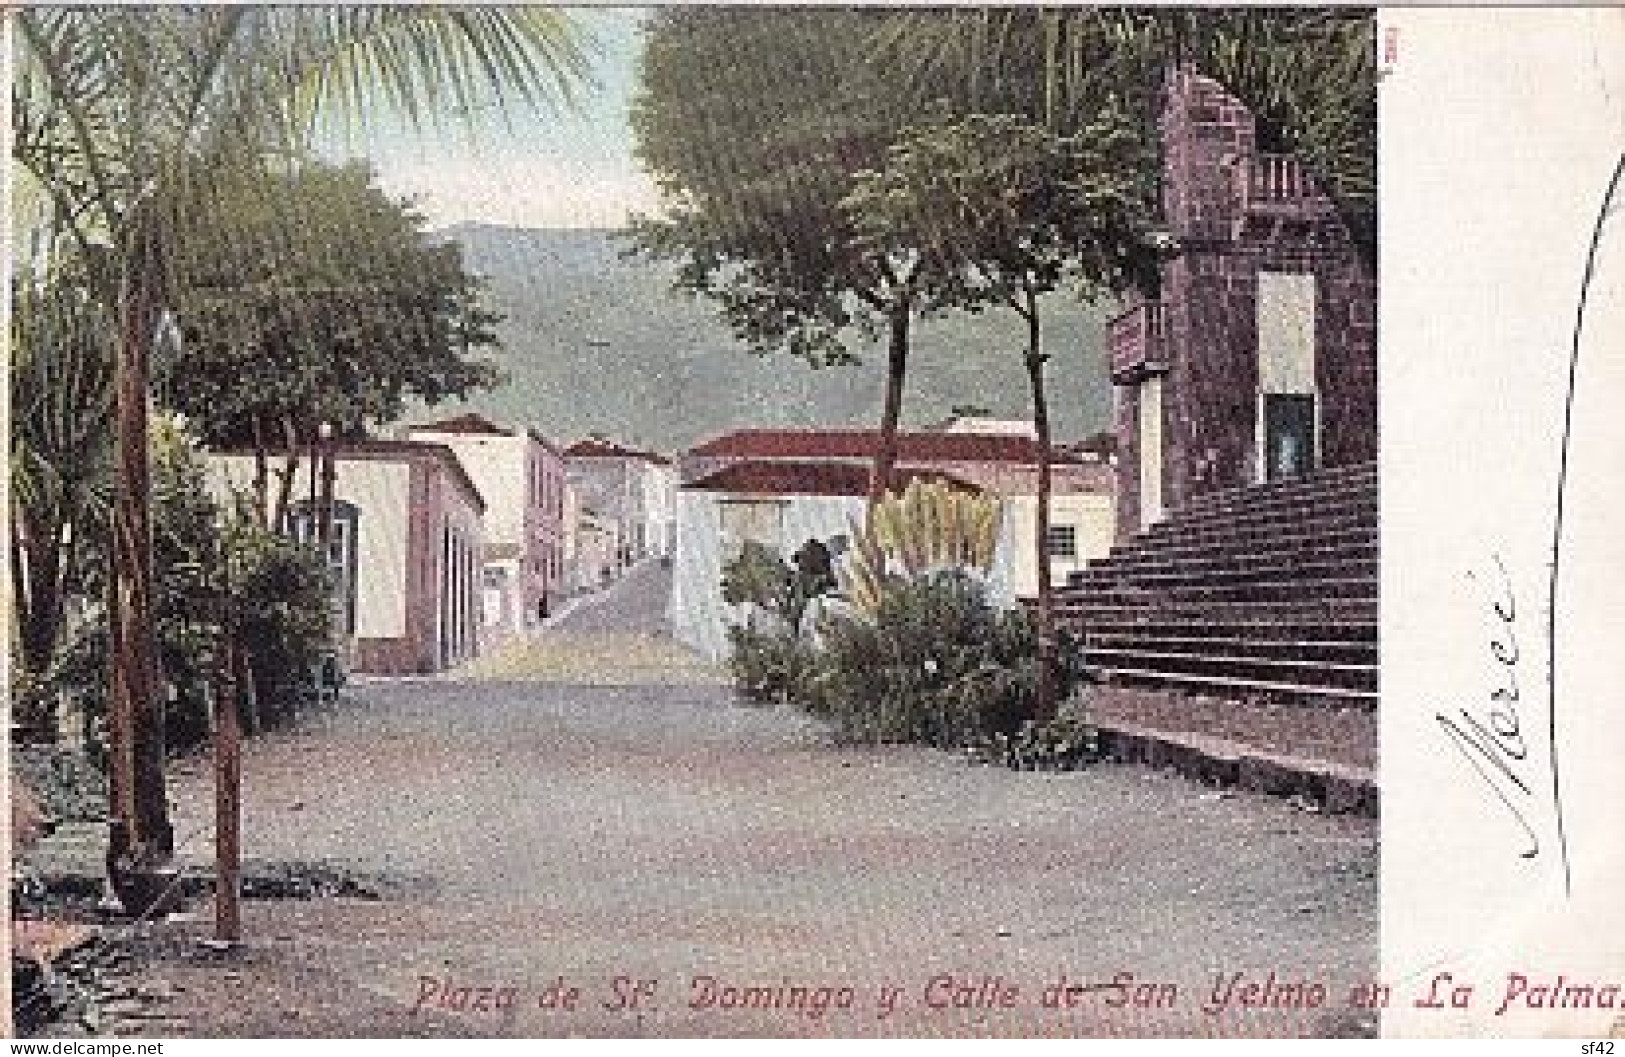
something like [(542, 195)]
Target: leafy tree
[(754, 124), (61, 404), (117, 111), (1018, 212), (1308, 75), (311, 299)]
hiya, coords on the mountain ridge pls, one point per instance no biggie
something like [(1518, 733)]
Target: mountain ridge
[(596, 342)]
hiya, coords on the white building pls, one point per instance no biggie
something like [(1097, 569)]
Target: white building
[(522, 479), (780, 505), (406, 551), (635, 489)]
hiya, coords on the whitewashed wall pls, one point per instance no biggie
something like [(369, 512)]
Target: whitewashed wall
[(1091, 514), (700, 618), (380, 491)]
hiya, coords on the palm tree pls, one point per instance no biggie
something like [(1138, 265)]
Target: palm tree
[(1308, 75), (118, 112)]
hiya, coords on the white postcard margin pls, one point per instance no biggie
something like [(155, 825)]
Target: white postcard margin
[(1503, 686)]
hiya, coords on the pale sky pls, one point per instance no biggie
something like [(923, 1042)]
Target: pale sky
[(548, 170)]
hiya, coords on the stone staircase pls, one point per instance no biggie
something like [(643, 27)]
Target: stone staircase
[(1268, 592)]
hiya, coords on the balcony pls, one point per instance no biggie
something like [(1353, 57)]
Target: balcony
[(1276, 191), (1136, 342)]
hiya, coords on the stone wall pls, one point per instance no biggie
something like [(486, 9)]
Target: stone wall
[(1233, 213)]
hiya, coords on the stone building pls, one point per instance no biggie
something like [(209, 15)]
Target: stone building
[(1257, 359)]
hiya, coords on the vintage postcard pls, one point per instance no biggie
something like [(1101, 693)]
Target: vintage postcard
[(779, 522)]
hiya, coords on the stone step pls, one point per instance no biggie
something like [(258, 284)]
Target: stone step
[(1257, 629), (1226, 687), (1317, 487), (1300, 672), (1287, 540), (1350, 513), (1123, 558), (1346, 651), (1284, 508), (1324, 587), (1296, 611), (1151, 575), (1326, 476)]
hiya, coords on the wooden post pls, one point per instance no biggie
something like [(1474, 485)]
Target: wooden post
[(228, 777)]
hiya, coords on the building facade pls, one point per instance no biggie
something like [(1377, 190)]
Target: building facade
[(522, 478), (1003, 462), (781, 505), (405, 552), (637, 490), (1256, 360)]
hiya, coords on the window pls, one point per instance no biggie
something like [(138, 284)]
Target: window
[(342, 552), (1063, 541), (756, 521)]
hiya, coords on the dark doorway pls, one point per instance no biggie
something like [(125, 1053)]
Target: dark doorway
[(1289, 434)]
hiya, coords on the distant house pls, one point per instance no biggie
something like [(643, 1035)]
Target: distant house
[(1003, 461), (522, 478), (781, 505), (634, 488), (406, 551), (597, 556)]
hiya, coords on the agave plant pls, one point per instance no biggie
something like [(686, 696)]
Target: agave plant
[(933, 526)]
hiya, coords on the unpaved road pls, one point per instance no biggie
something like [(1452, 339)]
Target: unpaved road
[(640, 840)]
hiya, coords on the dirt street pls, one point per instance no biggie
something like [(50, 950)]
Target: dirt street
[(531, 856)]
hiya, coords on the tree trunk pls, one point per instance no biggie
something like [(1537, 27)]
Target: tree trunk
[(228, 784), (891, 411), (327, 460), (135, 706), (290, 469), (262, 474), (1044, 703)]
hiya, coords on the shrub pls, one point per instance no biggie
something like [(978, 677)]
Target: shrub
[(936, 664), (772, 666), (283, 592), (772, 656), (1064, 743), (281, 587)]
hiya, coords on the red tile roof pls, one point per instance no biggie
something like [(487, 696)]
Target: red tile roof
[(469, 423), (862, 444), (808, 478), (602, 447)]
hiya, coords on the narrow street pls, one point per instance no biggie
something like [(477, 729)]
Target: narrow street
[(594, 806)]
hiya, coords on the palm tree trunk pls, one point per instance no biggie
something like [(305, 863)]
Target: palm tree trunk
[(1044, 703), (135, 709), (891, 410)]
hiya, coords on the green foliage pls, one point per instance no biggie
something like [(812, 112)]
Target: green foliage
[(759, 578), (61, 376), (937, 665), (283, 596), (1308, 74), (1011, 209), (313, 297), (753, 124), (771, 666), (1063, 743), (280, 587)]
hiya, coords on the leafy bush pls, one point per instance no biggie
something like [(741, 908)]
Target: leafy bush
[(937, 664), (772, 656), (283, 594), (771, 667), (280, 586), (1062, 744)]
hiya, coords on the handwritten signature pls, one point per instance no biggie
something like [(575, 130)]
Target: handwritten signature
[(1493, 740)]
